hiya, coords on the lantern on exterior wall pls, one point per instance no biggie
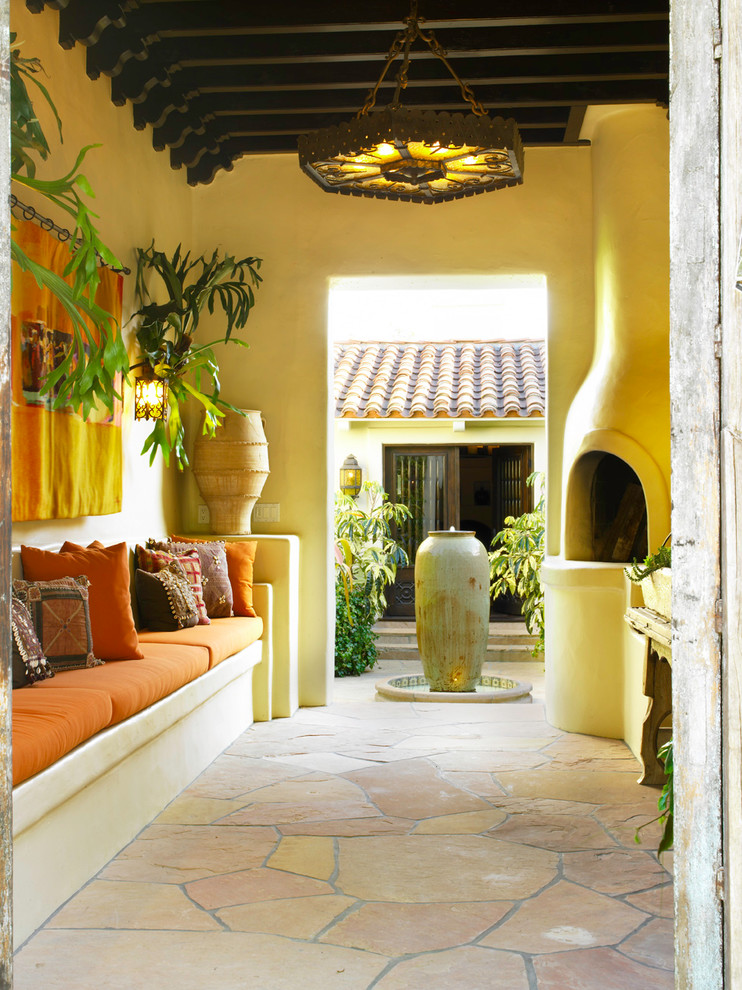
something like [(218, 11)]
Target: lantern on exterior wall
[(351, 477), (150, 397)]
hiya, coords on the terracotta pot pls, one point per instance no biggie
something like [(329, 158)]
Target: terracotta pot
[(452, 602), (231, 469)]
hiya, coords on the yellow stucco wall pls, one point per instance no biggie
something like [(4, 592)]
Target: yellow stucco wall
[(266, 206), (366, 438), (138, 197), (594, 664), (306, 237), (625, 399)]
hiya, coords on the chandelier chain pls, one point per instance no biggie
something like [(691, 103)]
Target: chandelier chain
[(401, 45)]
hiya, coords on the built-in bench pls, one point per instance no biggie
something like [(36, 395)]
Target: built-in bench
[(139, 731)]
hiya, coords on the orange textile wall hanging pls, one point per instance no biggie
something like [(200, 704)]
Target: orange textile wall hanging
[(62, 466)]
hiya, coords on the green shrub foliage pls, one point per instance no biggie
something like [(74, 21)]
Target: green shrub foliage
[(366, 560), (355, 640), (515, 563)]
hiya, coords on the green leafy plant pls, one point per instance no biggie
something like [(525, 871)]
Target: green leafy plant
[(636, 572), (666, 802), (366, 560), (167, 330), (515, 563), (355, 640), (87, 373)]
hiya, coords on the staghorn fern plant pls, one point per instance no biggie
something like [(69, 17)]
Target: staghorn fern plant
[(167, 330)]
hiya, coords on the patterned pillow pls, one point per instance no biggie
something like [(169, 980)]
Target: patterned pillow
[(166, 600), (240, 567), (153, 559), (217, 587), (29, 663), (61, 619)]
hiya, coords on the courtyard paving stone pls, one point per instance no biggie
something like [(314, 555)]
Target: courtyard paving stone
[(565, 917), (373, 845)]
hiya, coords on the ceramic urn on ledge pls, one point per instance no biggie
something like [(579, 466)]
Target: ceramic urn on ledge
[(231, 469)]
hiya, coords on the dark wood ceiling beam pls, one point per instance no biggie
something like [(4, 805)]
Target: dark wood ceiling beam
[(115, 48), (363, 75), (179, 125), (195, 146), (80, 20), (383, 15), (176, 114), (162, 102), (137, 79), (480, 43), (566, 94), (391, 27), (203, 173)]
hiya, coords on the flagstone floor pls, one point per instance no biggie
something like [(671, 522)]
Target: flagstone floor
[(389, 845)]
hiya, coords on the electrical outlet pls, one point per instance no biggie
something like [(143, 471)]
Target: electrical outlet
[(267, 512), (203, 514)]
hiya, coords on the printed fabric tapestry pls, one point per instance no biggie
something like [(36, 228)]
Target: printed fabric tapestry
[(63, 466)]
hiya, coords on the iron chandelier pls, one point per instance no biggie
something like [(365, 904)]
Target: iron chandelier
[(418, 156)]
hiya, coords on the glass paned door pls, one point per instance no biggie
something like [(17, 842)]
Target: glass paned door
[(424, 479)]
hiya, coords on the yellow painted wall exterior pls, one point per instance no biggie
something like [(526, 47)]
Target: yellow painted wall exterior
[(138, 197), (307, 237), (366, 438), (594, 663), (266, 206), (627, 391)]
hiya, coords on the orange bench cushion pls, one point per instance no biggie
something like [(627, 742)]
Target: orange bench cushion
[(223, 638), (132, 685), (47, 724)]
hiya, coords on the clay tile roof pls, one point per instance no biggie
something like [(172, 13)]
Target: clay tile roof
[(472, 380)]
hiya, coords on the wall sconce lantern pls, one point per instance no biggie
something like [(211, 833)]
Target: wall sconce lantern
[(351, 477), (150, 397)]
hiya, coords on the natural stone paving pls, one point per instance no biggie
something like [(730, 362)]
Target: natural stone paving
[(393, 846)]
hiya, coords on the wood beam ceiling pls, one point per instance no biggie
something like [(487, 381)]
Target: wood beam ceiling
[(216, 81)]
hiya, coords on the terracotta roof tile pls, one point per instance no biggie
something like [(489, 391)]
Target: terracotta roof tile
[(472, 380)]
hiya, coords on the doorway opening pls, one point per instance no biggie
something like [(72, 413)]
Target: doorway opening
[(473, 488)]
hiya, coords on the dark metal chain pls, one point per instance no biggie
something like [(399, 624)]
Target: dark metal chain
[(402, 44)]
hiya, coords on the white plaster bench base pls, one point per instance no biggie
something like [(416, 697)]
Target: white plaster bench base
[(72, 818)]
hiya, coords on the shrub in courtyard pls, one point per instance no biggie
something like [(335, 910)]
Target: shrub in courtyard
[(515, 563), (366, 560)]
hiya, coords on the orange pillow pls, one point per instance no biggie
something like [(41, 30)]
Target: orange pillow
[(240, 560), (107, 568)]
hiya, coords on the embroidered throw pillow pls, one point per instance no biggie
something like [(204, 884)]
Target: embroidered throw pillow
[(107, 569), (240, 562), (166, 600), (215, 575), (29, 663), (61, 619), (153, 558)]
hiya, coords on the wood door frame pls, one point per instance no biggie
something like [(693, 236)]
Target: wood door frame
[(706, 598), (451, 453), (730, 153), (6, 679)]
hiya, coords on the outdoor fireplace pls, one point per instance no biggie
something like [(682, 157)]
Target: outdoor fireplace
[(615, 500), (609, 508)]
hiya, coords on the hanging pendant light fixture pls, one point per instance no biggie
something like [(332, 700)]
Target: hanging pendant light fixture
[(418, 156)]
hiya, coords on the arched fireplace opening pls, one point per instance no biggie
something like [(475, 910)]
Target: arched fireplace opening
[(606, 511)]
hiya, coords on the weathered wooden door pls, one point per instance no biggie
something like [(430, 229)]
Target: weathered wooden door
[(512, 465), (425, 479)]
